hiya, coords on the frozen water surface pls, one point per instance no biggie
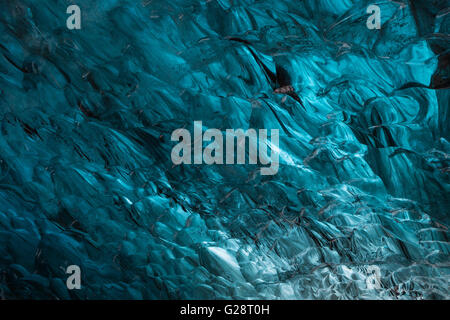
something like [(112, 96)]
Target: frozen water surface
[(86, 177)]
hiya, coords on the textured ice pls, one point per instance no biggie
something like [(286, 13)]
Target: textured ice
[(86, 176)]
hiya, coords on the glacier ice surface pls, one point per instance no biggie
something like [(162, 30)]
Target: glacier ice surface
[(86, 177)]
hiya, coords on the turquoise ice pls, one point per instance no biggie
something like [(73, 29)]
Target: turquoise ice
[(86, 176)]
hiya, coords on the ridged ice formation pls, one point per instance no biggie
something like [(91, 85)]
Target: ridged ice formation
[(86, 177)]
